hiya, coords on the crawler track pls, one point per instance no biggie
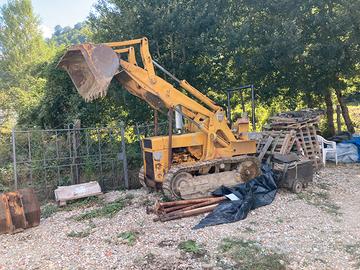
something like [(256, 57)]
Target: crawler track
[(185, 181)]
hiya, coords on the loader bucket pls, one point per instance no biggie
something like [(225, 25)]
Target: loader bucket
[(19, 210), (91, 68)]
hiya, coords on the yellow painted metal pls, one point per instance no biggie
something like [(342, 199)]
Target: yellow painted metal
[(182, 140), (184, 84), (208, 134), (124, 43)]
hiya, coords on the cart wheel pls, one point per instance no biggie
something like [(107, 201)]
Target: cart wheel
[(297, 186)]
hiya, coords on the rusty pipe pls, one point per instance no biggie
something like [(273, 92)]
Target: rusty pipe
[(157, 209), (182, 202), (188, 213), (201, 204), (174, 208)]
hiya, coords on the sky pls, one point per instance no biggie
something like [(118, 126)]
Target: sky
[(62, 12)]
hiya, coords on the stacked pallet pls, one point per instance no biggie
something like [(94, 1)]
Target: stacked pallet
[(304, 125), (277, 142)]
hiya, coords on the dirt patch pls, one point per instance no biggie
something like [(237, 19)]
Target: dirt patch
[(318, 229)]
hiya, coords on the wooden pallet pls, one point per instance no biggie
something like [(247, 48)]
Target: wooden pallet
[(306, 136), (279, 142)]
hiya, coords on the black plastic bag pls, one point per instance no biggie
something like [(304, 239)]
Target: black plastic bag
[(257, 192)]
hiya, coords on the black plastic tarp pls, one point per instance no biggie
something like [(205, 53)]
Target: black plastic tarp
[(257, 192)]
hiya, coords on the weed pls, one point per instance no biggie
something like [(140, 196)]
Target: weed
[(82, 203), (320, 260), (81, 234), (129, 196), (128, 237), (107, 210), (331, 208), (354, 251), (92, 225), (250, 255), (321, 200), (108, 241), (249, 230), (325, 186), (147, 202), (141, 223), (48, 210), (190, 246), (322, 195), (150, 257), (279, 220)]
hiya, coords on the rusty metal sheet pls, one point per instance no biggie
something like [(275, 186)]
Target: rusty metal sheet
[(31, 207), (18, 210), (91, 68), (5, 216)]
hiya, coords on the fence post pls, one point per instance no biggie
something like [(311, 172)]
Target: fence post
[(123, 153), (76, 144), (14, 157)]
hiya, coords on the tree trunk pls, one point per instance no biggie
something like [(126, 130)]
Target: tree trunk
[(329, 112), (345, 111), (309, 100), (338, 118)]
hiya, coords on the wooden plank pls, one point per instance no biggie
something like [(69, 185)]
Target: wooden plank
[(285, 143), (66, 193), (265, 148), (312, 146), (303, 142)]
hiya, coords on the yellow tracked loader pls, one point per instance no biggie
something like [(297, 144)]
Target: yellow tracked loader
[(202, 155)]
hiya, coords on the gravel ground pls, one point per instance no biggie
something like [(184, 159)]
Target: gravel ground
[(317, 229)]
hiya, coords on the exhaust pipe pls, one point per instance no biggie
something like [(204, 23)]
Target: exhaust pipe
[(179, 124)]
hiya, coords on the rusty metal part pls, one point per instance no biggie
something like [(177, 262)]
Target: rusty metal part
[(187, 208), (91, 68), (158, 210), (188, 213), (183, 202), (174, 208), (202, 204), (181, 181), (19, 210)]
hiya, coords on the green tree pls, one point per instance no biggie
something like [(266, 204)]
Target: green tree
[(61, 104), (182, 34), (23, 52), (80, 33), (298, 49)]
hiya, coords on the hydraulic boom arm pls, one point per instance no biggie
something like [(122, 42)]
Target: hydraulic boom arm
[(92, 67)]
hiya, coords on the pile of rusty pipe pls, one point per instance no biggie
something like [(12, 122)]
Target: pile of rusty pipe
[(185, 208)]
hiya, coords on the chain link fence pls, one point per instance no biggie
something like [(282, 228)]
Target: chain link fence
[(46, 158)]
